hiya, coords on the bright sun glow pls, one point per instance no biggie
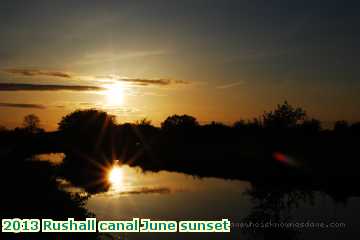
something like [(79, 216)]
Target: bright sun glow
[(116, 176), (114, 94)]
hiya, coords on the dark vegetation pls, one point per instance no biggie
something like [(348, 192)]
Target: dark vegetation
[(30, 189), (274, 203), (283, 145)]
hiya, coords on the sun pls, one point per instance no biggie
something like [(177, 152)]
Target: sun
[(114, 94), (115, 176)]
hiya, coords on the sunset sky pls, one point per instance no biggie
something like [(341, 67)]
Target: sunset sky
[(215, 60)]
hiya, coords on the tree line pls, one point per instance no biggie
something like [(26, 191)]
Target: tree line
[(284, 117)]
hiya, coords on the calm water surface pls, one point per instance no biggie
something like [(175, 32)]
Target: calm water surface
[(175, 196)]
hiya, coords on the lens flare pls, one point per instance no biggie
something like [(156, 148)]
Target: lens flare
[(285, 159), (115, 177)]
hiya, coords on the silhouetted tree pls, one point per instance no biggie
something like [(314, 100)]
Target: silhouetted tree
[(239, 124), (88, 130), (88, 138), (215, 132), (355, 128), (145, 128), (86, 120), (217, 125), (31, 124), (254, 124), (310, 126), (283, 117), (341, 126), (249, 126), (143, 122), (179, 122)]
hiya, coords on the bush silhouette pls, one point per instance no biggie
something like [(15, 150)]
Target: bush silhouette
[(283, 117), (341, 126), (179, 122), (31, 124), (88, 129), (86, 120)]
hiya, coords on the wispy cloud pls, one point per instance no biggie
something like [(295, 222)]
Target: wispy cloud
[(230, 85), (46, 87), (146, 82), (101, 57), (37, 72), (141, 81), (22, 105), (102, 78)]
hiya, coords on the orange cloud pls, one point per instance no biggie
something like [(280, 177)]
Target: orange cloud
[(22, 105), (37, 72), (46, 87), (146, 82)]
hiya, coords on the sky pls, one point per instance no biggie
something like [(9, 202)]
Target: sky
[(214, 60)]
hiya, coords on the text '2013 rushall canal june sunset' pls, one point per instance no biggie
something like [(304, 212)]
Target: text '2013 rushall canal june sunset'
[(17, 225)]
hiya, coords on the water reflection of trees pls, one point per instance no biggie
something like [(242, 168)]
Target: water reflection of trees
[(86, 171), (274, 203), (91, 139), (30, 190)]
